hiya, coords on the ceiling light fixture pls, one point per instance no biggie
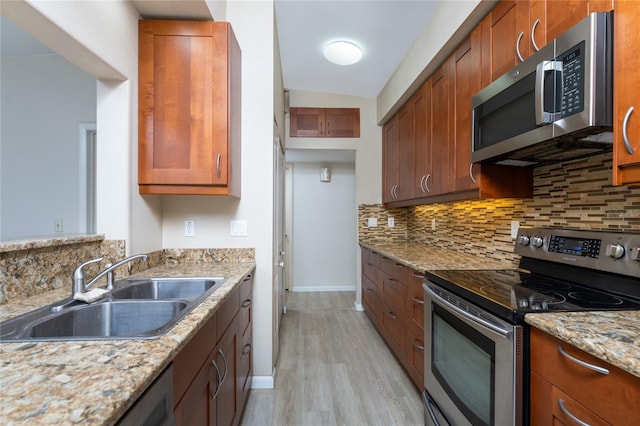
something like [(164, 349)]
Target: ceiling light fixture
[(342, 53)]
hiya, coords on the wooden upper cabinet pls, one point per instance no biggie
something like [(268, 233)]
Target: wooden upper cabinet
[(324, 122), (437, 181), (626, 109), (390, 160), (502, 37), (406, 152), (188, 108), (421, 104)]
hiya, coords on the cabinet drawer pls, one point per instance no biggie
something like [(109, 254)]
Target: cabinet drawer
[(228, 311), (614, 396), (371, 301), (394, 329), (393, 290), (396, 269)]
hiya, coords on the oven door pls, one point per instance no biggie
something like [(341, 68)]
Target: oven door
[(473, 370)]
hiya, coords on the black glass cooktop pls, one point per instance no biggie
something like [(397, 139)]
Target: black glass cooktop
[(513, 293)]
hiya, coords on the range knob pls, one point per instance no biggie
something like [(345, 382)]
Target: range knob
[(536, 242), (524, 240), (615, 251)]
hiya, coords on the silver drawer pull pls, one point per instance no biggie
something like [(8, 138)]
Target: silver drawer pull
[(582, 363), (418, 301), (247, 349), (571, 416), (392, 281), (246, 303), (418, 275), (214, 394), (391, 315), (417, 345)]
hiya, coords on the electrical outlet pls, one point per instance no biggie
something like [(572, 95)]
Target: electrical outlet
[(189, 228), (514, 229), (372, 222), (391, 222), (433, 224), (57, 226)]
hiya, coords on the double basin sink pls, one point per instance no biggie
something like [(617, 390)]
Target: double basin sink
[(137, 308)]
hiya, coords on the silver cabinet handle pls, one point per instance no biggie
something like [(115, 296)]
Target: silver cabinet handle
[(625, 137), (391, 315), (418, 275), (218, 165), (418, 301), (422, 184), (473, 179), (214, 394), (246, 303), (417, 345), (392, 281), (571, 416), (582, 363), (520, 58), (247, 349), (226, 365), (426, 182), (533, 35)]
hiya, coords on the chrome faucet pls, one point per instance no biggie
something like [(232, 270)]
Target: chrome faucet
[(79, 278)]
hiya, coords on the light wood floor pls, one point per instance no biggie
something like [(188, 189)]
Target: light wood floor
[(333, 369)]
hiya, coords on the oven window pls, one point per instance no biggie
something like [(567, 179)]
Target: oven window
[(463, 361)]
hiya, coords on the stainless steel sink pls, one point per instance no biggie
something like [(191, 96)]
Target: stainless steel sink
[(138, 308), (110, 319), (166, 288)]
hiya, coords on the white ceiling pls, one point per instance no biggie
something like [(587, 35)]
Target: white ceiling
[(384, 29)]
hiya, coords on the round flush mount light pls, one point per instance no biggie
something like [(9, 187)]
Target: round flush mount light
[(342, 53)]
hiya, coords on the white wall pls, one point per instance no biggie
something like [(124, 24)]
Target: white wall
[(40, 143), (101, 37), (324, 228), (252, 22)]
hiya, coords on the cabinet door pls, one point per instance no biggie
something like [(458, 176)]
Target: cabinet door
[(406, 153), (626, 65), (390, 160), (197, 407), (225, 359), (465, 84), (185, 93), (342, 122), (503, 37), (307, 122), (441, 109), (420, 102)]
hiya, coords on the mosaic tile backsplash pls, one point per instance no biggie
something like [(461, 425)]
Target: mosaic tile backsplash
[(575, 195)]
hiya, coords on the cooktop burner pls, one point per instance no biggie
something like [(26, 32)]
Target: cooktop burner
[(559, 270), (513, 293)]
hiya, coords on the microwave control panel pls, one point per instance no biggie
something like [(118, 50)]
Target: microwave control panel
[(573, 67)]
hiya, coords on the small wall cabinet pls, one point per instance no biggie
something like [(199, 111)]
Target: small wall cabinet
[(324, 122), (188, 108)]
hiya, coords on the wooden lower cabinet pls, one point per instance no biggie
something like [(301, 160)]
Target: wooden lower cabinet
[(394, 303), (564, 391), (212, 374)]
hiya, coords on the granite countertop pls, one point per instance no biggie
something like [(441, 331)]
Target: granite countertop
[(95, 382), (613, 336), (426, 257)]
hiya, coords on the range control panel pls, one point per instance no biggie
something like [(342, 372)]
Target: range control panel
[(616, 252)]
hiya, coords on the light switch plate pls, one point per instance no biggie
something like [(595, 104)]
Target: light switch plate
[(238, 228), (372, 222), (515, 225), (391, 222)]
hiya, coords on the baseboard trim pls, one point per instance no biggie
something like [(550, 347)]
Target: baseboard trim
[(358, 306), (264, 382), (323, 288)]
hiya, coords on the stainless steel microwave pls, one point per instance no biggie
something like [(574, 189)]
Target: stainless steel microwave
[(555, 106)]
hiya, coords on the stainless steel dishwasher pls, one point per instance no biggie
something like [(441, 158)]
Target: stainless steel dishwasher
[(155, 406)]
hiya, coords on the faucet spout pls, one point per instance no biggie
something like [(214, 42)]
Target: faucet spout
[(109, 271), (80, 284)]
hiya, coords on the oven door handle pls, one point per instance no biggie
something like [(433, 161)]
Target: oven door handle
[(493, 327), (429, 404)]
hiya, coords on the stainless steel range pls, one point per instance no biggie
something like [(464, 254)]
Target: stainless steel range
[(476, 368)]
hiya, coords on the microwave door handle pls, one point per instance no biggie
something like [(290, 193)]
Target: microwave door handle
[(542, 116)]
